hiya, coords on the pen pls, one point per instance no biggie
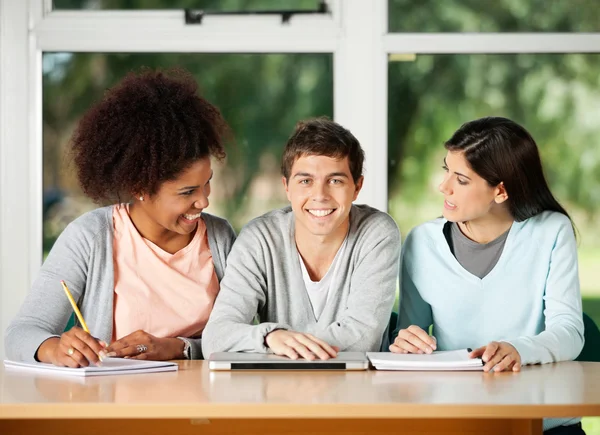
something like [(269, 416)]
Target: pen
[(74, 305)]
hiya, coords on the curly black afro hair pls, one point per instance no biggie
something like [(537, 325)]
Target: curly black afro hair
[(146, 130)]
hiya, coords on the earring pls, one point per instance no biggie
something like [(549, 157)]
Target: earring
[(141, 198)]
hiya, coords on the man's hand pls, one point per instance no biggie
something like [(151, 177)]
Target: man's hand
[(297, 344)]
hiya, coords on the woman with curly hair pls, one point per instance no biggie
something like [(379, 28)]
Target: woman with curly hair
[(145, 273)]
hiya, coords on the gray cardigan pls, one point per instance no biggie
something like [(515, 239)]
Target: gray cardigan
[(83, 257), (264, 277)]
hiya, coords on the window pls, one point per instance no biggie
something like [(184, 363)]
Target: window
[(261, 96), (214, 5)]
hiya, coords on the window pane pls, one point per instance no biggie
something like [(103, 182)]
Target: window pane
[(212, 5), (494, 16), (261, 96), (556, 97)]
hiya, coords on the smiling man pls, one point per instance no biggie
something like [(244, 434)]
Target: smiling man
[(319, 276)]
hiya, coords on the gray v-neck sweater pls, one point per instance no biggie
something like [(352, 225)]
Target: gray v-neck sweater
[(83, 257), (264, 278)]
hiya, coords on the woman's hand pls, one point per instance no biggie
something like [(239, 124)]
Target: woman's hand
[(413, 340), (141, 345), (75, 348), (297, 344), (499, 356)]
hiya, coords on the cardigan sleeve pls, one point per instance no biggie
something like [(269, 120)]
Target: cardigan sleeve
[(413, 310), (242, 294), (46, 311), (562, 338)]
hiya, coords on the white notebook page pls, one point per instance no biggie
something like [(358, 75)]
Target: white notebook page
[(443, 360), (110, 366)]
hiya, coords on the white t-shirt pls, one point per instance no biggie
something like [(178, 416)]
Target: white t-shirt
[(319, 290)]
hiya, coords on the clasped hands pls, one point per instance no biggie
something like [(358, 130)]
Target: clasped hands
[(76, 348), (499, 356)]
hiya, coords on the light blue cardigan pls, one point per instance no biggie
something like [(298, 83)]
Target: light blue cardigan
[(531, 298)]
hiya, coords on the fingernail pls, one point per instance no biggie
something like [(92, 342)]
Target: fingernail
[(103, 344), (429, 350), (111, 354), (101, 355)]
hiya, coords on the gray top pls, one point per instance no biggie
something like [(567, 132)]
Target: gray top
[(83, 257), (477, 258), (263, 278)]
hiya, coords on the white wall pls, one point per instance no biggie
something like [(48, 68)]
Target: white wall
[(15, 168)]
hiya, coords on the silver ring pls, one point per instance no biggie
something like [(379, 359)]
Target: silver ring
[(141, 348)]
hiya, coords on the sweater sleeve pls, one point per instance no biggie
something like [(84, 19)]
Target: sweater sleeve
[(413, 310), (229, 239), (221, 239), (46, 310), (242, 295), (361, 325), (562, 338), (224, 235)]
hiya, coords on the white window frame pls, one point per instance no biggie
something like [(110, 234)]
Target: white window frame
[(355, 33)]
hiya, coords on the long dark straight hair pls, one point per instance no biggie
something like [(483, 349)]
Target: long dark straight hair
[(501, 151)]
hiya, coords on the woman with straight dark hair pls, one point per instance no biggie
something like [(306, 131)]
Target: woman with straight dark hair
[(498, 273)]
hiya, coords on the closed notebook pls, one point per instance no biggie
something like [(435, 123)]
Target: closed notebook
[(110, 366), (443, 360)]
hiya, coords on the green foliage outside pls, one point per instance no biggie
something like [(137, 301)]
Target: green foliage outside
[(494, 16)]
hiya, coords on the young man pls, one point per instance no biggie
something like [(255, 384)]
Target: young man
[(321, 274)]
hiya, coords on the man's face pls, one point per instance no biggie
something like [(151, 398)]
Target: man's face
[(321, 191)]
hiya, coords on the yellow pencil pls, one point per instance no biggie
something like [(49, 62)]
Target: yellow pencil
[(74, 305)]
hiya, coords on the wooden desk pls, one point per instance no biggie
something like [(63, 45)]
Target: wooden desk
[(197, 401)]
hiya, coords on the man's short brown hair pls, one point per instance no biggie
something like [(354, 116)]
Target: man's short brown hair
[(323, 137)]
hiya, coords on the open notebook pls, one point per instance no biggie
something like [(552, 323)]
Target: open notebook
[(443, 360), (110, 366)]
